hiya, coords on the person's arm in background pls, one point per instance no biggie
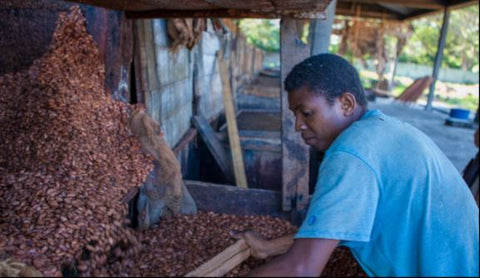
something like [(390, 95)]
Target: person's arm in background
[(301, 257)]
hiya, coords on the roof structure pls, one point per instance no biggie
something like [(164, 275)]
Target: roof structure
[(397, 9), (216, 8), (300, 9)]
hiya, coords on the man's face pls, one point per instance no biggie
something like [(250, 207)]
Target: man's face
[(318, 121)]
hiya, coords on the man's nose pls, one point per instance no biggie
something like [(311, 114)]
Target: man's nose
[(299, 125)]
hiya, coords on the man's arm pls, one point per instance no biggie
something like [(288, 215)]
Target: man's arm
[(306, 257)]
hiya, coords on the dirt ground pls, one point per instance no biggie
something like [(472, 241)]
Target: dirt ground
[(455, 142)]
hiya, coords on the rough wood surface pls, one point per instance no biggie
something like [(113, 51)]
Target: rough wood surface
[(216, 149), (233, 137), (295, 154)]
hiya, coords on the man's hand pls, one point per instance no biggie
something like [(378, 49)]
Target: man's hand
[(304, 257), (262, 248), (258, 245)]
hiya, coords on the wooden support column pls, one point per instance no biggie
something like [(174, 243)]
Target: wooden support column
[(151, 69), (322, 30), (438, 57), (233, 137), (395, 63), (295, 154), (140, 61)]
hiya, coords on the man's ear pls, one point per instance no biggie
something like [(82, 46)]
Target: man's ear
[(348, 103)]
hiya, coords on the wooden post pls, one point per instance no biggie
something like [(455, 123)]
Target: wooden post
[(395, 63), (295, 154), (322, 30), (141, 61), (233, 137), (438, 57), (151, 69), (355, 37)]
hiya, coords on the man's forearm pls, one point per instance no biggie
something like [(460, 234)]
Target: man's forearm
[(305, 257), (277, 267)]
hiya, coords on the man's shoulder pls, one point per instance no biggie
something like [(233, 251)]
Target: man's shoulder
[(366, 132)]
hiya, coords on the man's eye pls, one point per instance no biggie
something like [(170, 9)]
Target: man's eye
[(306, 113)]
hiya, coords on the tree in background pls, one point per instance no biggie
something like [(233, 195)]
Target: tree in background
[(461, 48), (263, 33)]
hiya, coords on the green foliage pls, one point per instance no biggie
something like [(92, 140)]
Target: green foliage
[(263, 33), (461, 46), (461, 49)]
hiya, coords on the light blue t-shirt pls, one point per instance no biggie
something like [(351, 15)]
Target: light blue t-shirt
[(386, 191)]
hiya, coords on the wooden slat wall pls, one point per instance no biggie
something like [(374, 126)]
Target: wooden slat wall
[(210, 85), (165, 80)]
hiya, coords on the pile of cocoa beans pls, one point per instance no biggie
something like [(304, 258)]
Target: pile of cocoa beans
[(177, 246), (67, 158)]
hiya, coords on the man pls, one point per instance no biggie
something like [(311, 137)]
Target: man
[(384, 189)]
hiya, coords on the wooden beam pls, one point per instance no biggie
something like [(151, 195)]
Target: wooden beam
[(140, 61), (188, 137), (150, 64), (424, 4), (233, 138), (225, 13), (369, 14), (221, 198), (367, 11), (214, 145), (295, 154)]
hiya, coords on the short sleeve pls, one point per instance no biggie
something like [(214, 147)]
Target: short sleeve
[(345, 200)]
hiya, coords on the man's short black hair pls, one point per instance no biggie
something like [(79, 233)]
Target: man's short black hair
[(326, 74)]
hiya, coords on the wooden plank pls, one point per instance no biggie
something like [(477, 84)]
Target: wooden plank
[(233, 138), (150, 73), (214, 145), (223, 262), (295, 154), (150, 55), (226, 13), (188, 137), (230, 264), (140, 61), (236, 200)]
